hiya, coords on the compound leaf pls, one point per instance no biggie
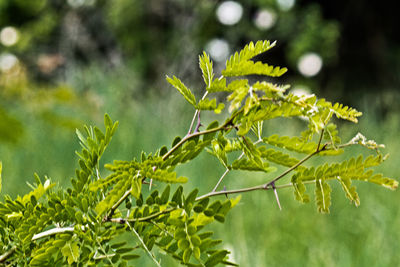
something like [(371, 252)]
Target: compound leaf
[(187, 94)]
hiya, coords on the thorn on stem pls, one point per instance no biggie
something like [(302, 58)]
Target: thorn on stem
[(275, 193), (226, 195), (198, 123)]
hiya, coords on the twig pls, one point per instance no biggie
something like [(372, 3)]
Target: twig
[(198, 125), (106, 256), (295, 166), (116, 205), (7, 254), (144, 245), (267, 185), (162, 229), (195, 115), (247, 189), (142, 219), (320, 138), (291, 169), (192, 123), (227, 170), (53, 231), (103, 256), (220, 180), (190, 136)]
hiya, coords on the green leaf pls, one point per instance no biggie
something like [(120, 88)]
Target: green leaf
[(116, 193), (240, 64), (107, 121), (118, 245), (299, 189), (186, 255), (344, 112), (219, 152), (270, 89), (349, 190), (278, 157), (218, 85), (136, 186), (240, 91), (199, 207), (187, 94), (295, 143), (71, 252), (253, 68), (206, 67), (210, 136), (130, 257), (249, 51), (83, 142), (331, 134), (183, 244), (379, 179), (196, 252), (165, 176), (191, 197), (165, 194), (251, 165), (1, 168), (207, 104), (38, 192), (216, 258), (322, 195)]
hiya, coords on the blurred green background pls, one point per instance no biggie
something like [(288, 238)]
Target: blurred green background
[(65, 63)]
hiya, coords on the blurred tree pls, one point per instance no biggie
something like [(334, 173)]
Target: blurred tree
[(347, 39)]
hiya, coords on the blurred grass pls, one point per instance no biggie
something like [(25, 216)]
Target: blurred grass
[(256, 231)]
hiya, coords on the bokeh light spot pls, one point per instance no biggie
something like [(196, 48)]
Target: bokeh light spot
[(309, 64), (7, 61), (265, 19), (79, 3), (229, 12), (286, 5), (218, 49), (9, 36)]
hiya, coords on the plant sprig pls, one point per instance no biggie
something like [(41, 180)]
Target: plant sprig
[(52, 226)]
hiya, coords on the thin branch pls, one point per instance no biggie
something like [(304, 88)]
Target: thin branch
[(198, 125), (295, 166), (144, 245), (7, 254), (192, 123), (101, 257), (320, 138), (162, 229), (220, 180), (227, 169), (267, 185), (247, 189), (142, 219), (190, 136), (237, 191), (106, 256), (51, 232), (116, 205), (195, 115)]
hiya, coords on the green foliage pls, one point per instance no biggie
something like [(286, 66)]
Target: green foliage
[(187, 94), (52, 226), (240, 64)]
